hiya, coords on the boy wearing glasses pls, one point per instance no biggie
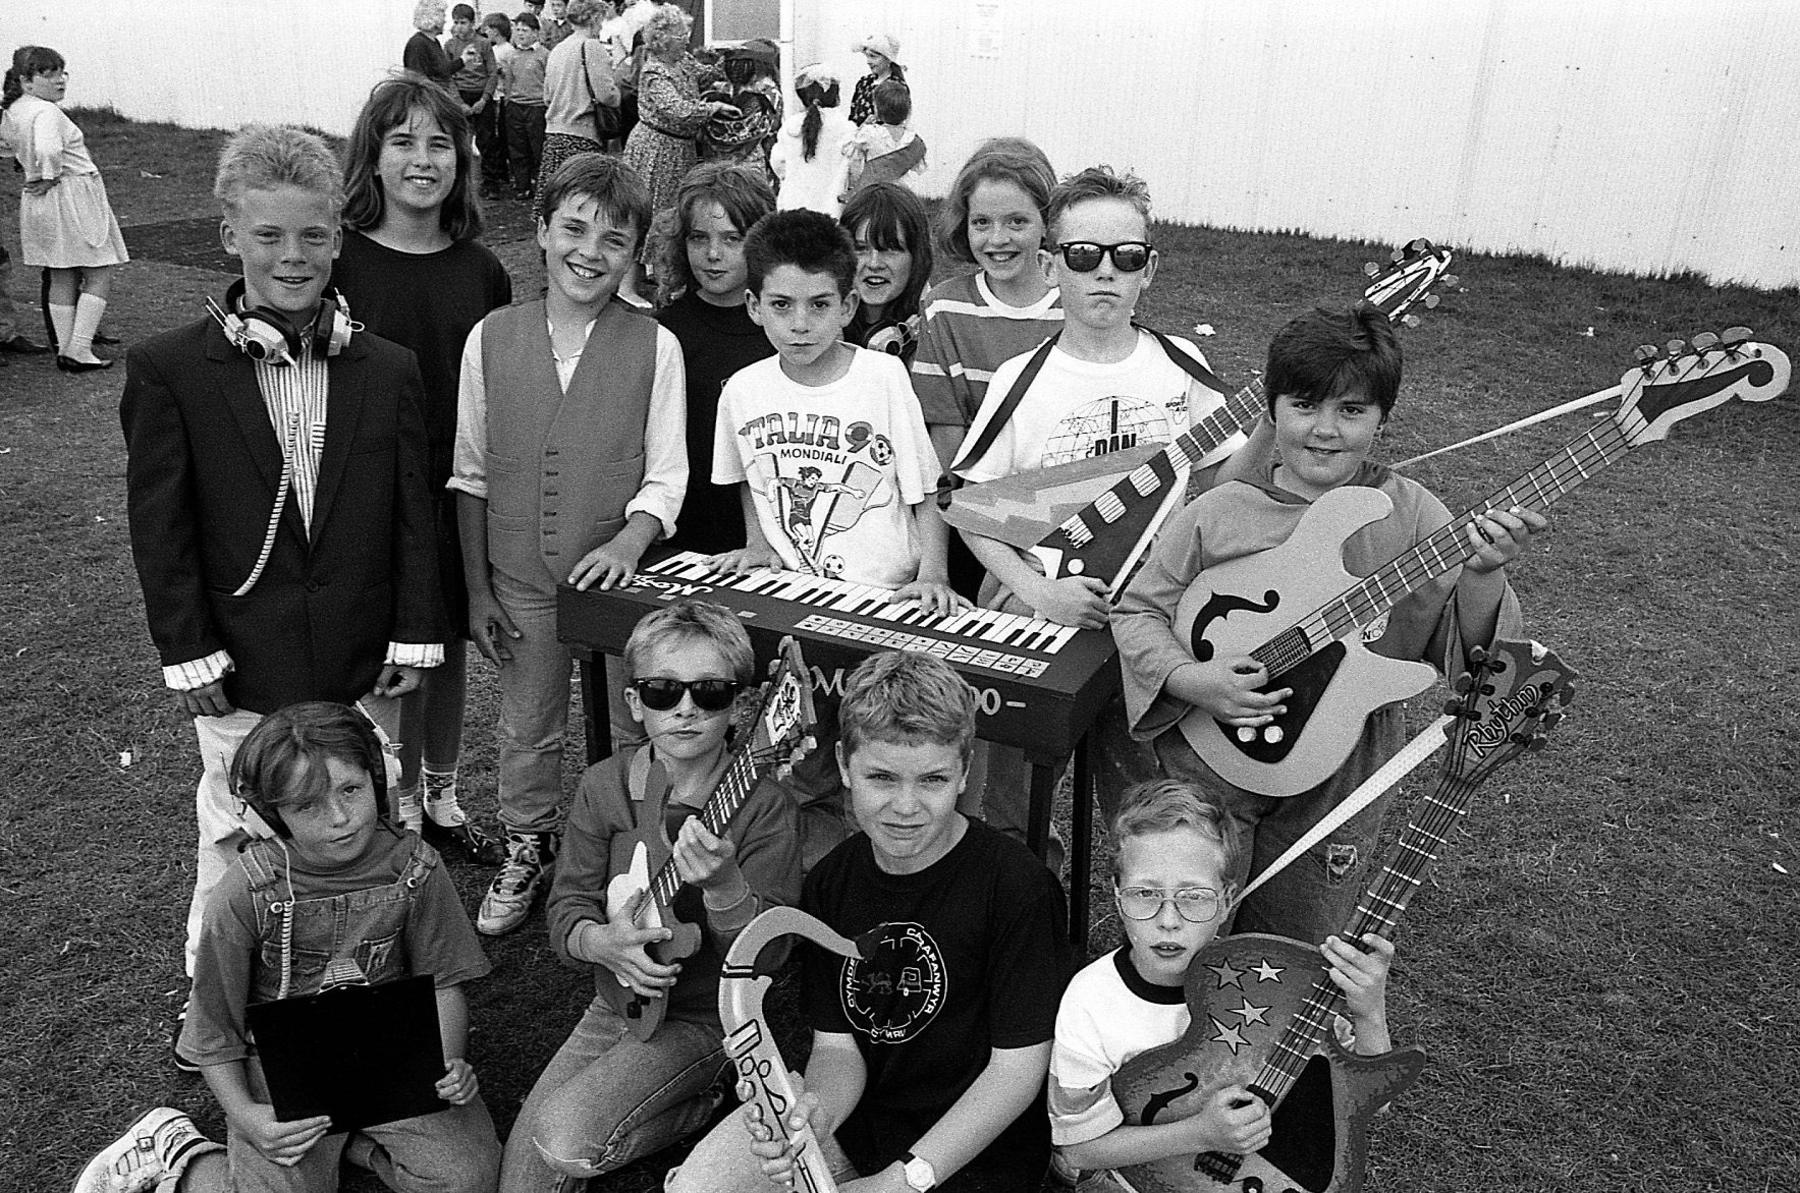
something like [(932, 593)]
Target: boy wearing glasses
[(1170, 881), (1101, 384), (607, 1098)]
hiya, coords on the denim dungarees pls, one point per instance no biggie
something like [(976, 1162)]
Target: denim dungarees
[(352, 938)]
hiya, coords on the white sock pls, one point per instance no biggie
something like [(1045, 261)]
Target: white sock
[(440, 799), (88, 309), (409, 808), (62, 322)]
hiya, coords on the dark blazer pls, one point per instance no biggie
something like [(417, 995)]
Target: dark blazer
[(202, 471)]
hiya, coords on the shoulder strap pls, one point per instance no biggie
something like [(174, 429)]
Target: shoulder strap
[(587, 83), (419, 863), (1184, 362), (1003, 414), (256, 864)]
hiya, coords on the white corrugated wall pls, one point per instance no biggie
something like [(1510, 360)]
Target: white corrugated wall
[(1648, 136)]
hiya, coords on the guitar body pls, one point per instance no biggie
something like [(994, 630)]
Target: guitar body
[(644, 1015), (1237, 606), (1243, 992), (1020, 510)]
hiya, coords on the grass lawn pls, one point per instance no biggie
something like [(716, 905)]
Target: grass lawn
[(1600, 967)]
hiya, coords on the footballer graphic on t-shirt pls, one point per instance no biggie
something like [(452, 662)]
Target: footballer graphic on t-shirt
[(818, 480)]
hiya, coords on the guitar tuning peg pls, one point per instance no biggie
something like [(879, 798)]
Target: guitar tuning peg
[(1705, 342), (1418, 245), (1397, 256), (1431, 301), (1449, 279), (1410, 320), (1370, 269), (1733, 337), (1676, 348), (1645, 355), (1536, 745), (1455, 708), (1462, 684)]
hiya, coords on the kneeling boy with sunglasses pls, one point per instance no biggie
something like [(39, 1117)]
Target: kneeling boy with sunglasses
[(607, 1098), (1102, 384), (1171, 882)]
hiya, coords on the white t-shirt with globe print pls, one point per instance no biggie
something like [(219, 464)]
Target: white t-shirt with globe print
[(834, 470), (1076, 409)]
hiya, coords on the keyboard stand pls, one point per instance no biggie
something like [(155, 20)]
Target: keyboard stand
[(596, 714)]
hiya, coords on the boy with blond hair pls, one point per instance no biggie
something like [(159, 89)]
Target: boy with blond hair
[(1172, 885), (929, 1055), (276, 485)]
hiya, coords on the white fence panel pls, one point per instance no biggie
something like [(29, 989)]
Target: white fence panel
[(1648, 136)]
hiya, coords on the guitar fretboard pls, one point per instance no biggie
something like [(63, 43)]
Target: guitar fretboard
[(1437, 553), (734, 788), (1379, 912)]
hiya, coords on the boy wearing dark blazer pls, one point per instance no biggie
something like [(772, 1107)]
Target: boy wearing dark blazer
[(276, 483)]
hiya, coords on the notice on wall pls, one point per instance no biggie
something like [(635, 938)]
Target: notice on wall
[(984, 30)]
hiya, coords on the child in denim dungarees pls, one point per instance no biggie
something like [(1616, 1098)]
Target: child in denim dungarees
[(340, 895)]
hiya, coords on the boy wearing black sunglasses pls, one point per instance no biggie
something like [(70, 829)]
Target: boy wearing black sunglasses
[(1102, 384), (607, 1098)]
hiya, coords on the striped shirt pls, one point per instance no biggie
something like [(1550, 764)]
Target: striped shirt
[(294, 395), (969, 333)]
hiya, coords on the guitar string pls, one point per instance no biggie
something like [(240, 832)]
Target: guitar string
[(1578, 460)]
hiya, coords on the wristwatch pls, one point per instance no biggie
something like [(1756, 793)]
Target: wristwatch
[(921, 1177)]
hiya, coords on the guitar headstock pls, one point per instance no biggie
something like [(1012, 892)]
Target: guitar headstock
[(1504, 706), (1681, 380), (1411, 280), (785, 721)]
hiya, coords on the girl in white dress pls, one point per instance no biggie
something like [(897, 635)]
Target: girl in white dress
[(65, 223)]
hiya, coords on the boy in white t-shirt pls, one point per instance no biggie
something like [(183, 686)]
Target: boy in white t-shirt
[(1101, 384), (826, 441), (1176, 851), (839, 477)]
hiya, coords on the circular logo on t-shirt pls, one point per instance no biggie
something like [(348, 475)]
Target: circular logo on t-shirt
[(893, 996), (1108, 425)]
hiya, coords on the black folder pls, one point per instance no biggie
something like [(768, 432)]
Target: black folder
[(364, 1055)]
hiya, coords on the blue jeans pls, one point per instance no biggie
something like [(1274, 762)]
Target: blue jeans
[(452, 1151), (1316, 895), (607, 1098), (534, 708)]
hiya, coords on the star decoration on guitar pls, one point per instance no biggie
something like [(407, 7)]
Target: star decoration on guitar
[(1228, 974), (1267, 973), (1251, 1013), (1231, 1037)]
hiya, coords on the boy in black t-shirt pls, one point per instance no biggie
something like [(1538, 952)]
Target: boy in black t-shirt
[(928, 1061)]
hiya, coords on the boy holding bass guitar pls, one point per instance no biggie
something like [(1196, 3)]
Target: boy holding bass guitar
[(1279, 759), (681, 802)]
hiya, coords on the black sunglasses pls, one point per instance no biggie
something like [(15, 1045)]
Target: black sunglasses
[(710, 695), (1084, 256)]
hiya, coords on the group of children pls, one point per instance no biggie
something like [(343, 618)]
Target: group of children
[(301, 479)]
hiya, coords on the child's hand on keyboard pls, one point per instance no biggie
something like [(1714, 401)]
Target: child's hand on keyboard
[(744, 559), (935, 597)]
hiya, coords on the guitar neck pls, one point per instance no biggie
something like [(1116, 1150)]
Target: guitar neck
[(1436, 554), (1193, 445), (734, 788), (1379, 912)]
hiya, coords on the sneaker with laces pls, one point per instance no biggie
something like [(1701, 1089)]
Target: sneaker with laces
[(158, 1145), (529, 857)]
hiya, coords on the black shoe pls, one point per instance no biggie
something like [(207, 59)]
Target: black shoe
[(105, 340), (466, 839), (70, 365), (21, 346)]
